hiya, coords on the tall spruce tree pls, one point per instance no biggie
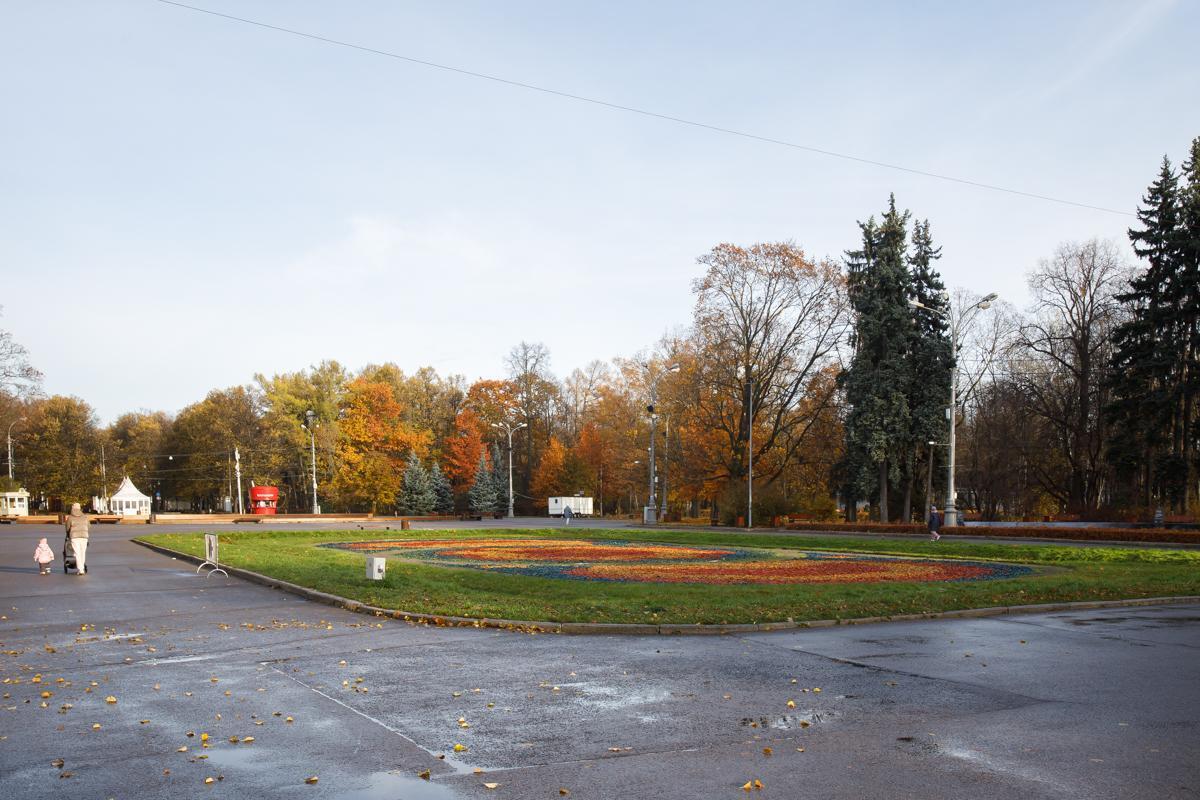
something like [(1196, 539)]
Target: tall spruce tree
[(1189, 319), (442, 491), (1148, 354), (929, 361), (482, 496), (417, 496), (877, 383), (499, 475)]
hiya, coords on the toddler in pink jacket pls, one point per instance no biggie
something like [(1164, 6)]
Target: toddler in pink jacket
[(43, 556)]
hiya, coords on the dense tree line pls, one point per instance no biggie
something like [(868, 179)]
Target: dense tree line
[(831, 379)]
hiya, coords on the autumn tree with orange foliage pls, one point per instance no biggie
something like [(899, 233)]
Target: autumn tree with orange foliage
[(462, 449), (770, 314), (491, 401), (373, 444), (547, 478)]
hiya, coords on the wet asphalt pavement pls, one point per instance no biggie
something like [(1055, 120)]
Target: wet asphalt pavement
[(1092, 704)]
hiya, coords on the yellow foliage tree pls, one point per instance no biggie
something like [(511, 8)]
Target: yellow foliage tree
[(549, 475), (373, 444)]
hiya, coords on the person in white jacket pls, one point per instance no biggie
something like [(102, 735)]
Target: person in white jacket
[(43, 556), (77, 529)]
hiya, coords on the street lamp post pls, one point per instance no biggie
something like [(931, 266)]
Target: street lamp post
[(510, 430), (311, 427), (750, 451), (951, 513), (9, 437), (650, 515), (666, 464)]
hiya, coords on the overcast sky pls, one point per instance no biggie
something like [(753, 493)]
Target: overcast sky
[(187, 200)]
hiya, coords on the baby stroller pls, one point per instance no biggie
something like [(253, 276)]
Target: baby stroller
[(69, 558)]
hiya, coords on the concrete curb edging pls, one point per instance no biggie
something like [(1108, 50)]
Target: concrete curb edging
[(640, 629)]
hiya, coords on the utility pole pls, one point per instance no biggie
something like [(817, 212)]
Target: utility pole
[(237, 470), (311, 416), (10, 454), (103, 473), (649, 516), (750, 452), (508, 428), (951, 513), (929, 482), (666, 463)]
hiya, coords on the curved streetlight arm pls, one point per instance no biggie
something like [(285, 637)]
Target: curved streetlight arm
[(956, 324), (510, 430)]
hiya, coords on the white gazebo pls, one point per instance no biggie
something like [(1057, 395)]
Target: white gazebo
[(128, 501)]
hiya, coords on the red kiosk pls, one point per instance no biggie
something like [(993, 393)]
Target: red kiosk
[(264, 499)]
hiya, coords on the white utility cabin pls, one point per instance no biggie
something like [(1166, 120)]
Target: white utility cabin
[(580, 506)]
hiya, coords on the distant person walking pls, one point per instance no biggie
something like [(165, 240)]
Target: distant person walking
[(43, 556), (935, 524), (567, 514), (77, 532)]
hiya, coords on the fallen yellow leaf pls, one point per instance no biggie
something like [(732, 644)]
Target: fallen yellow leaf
[(110, 699), (210, 780), (792, 703), (423, 775), (490, 785), (748, 785), (312, 779), (458, 748)]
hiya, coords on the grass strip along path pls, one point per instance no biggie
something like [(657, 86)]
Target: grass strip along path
[(1050, 574)]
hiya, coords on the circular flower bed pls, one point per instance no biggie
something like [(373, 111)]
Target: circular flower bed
[(665, 563)]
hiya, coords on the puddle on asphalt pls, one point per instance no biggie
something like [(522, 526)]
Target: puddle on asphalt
[(1153, 621), (611, 698), (394, 786), (379, 785)]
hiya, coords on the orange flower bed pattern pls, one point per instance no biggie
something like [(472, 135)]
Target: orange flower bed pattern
[(572, 551), (628, 562)]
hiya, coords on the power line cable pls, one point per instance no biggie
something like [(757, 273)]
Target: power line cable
[(645, 112)]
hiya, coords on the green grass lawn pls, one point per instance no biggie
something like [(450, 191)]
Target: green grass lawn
[(1061, 574)]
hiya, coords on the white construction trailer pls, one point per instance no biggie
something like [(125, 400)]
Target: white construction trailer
[(580, 506)]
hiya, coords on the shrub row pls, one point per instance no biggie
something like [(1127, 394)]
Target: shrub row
[(1037, 532)]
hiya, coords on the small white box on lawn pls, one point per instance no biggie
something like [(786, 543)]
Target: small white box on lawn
[(376, 568)]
